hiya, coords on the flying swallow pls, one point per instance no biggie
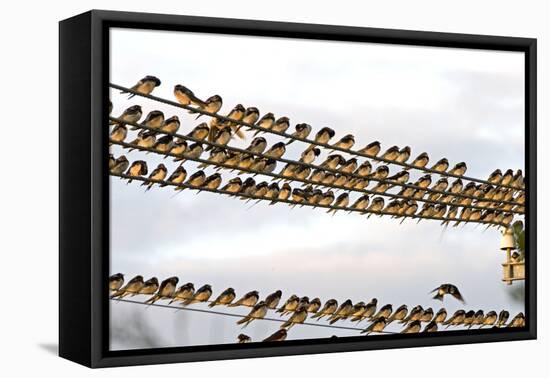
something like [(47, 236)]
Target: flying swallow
[(116, 281), (258, 311), (145, 85), (279, 335), (377, 325), (242, 338), (346, 142), (225, 298), (203, 294), (150, 286), (158, 174), (302, 131), (185, 96), (166, 290), (412, 327), (444, 289), (171, 125), (131, 288), (248, 300), (183, 293)]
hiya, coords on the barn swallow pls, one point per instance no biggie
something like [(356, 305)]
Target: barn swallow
[(518, 180), (217, 155), (384, 312), (456, 319), (342, 312), (185, 96), (164, 144), (381, 173), (158, 174), (441, 165), (177, 177), (441, 184), (346, 142), (145, 85), (242, 338), (400, 177), (145, 138), (154, 120), (258, 311), (427, 315), (233, 186), (257, 146), (281, 125), (333, 161), (399, 314), (112, 161), (116, 281), (183, 293), (266, 122), (490, 319), (272, 191), (517, 321), (377, 325), (376, 205), (370, 310), (248, 300), (430, 327), (200, 131), (404, 155), (276, 151), (302, 131), (150, 286), (309, 155), (131, 288), (440, 316), (270, 165), (359, 184), (391, 153), (479, 317), (273, 299), (364, 169), (290, 305), (194, 151), (203, 294), (237, 113), (130, 115), (459, 169), (328, 179), (424, 181), (225, 298), (503, 318), (456, 186), (444, 289), (415, 314), (121, 165), (495, 177), (393, 207), (341, 201), (251, 115), (197, 179), (324, 135), (279, 335), (314, 305), (348, 166), (137, 169), (421, 160), (171, 125), (245, 162), (248, 187), (166, 290), (328, 309), (212, 105), (119, 133), (371, 149), (179, 146), (361, 203), (412, 327), (298, 317), (284, 192), (212, 182), (439, 211)]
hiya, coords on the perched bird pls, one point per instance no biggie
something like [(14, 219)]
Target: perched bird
[(518, 180), (213, 181), (441, 165), (440, 316), (333, 161), (490, 319), (381, 173), (225, 298), (364, 169), (166, 290), (441, 184), (298, 317), (185, 96), (281, 125), (137, 169), (248, 300), (118, 133), (377, 325), (158, 174), (412, 327), (341, 201), (348, 166), (212, 105), (431, 327), (112, 161), (121, 164), (276, 151), (427, 315), (399, 314), (415, 314), (459, 169), (495, 177), (154, 120), (145, 138), (177, 177), (290, 305), (145, 85), (400, 177), (251, 115), (346, 142), (131, 288), (273, 299), (328, 309), (421, 160), (116, 281), (444, 289), (203, 294), (342, 312), (391, 153), (361, 203), (503, 318), (314, 305), (257, 146), (150, 286), (179, 146), (171, 125), (130, 115), (376, 205), (242, 338), (456, 319), (324, 135), (233, 186), (257, 312), (302, 131), (517, 321), (199, 132), (424, 181), (183, 293), (478, 318), (384, 312), (404, 155), (279, 335), (266, 122), (371, 150), (197, 179), (164, 144), (468, 319), (309, 155)]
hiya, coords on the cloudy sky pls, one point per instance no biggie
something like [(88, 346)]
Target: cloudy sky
[(466, 105)]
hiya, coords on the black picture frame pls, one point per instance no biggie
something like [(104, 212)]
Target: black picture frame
[(84, 186)]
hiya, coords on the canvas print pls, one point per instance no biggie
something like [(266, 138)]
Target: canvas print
[(264, 190)]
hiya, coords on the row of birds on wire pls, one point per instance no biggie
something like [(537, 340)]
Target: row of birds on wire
[(273, 193), (300, 308), (334, 171), (225, 127)]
